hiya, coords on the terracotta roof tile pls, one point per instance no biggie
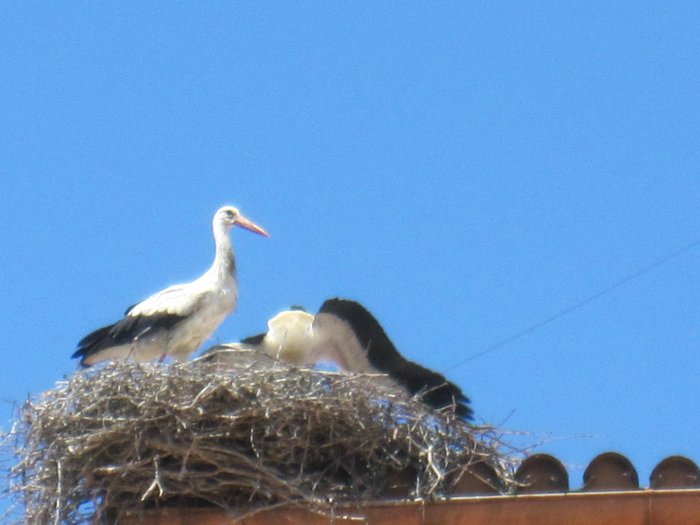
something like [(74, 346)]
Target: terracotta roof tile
[(675, 472), (610, 471), (541, 473)]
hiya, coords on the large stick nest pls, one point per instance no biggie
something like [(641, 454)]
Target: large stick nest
[(131, 436)]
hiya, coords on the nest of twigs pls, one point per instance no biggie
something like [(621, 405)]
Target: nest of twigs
[(131, 436)]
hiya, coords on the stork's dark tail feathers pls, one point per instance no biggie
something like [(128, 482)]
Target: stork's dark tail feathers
[(433, 388)]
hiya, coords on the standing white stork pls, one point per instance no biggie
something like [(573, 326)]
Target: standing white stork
[(345, 333), (174, 322)]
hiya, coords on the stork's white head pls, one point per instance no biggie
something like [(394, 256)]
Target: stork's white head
[(227, 216)]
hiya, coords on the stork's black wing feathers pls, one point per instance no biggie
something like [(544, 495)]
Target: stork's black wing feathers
[(125, 331), (254, 339), (297, 308), (92, 340), (126, 312), (381, 352), (432, 387)]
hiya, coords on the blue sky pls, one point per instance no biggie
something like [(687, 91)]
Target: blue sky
[(465, 170)]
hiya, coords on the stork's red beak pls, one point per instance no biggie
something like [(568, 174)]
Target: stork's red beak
[(250, 226)]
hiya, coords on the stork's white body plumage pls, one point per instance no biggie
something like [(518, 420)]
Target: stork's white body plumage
[(175, 321), (288, 338)]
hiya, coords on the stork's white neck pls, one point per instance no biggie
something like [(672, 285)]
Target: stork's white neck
[(224, 265)]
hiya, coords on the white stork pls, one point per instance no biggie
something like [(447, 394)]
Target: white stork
[(345, 333), (288, 339), (174, 322)]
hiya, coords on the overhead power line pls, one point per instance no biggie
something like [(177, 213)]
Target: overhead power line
[(566, 311)]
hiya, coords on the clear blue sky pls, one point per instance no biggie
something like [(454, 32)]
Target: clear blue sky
[(465, 170)]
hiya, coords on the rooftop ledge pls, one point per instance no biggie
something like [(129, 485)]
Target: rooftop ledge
[(634, 507)]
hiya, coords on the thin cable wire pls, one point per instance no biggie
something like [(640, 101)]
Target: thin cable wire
[(576, 306)]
